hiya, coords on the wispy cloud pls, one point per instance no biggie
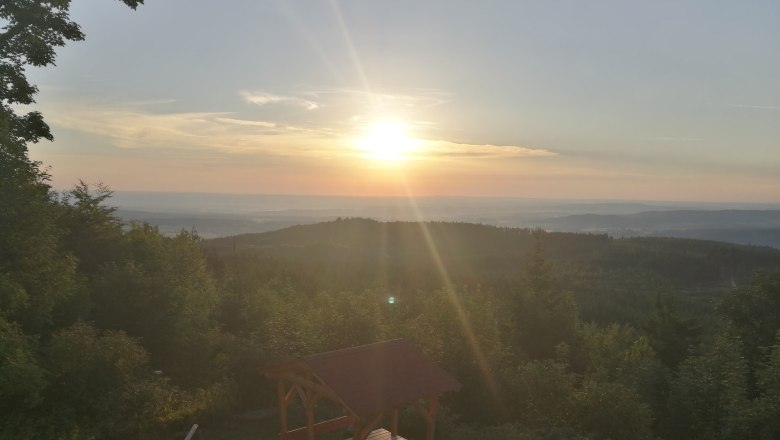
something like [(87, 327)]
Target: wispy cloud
[(133, 128), (679, 139), (447, 149), (222, 132), (262, 98), (247, 123)]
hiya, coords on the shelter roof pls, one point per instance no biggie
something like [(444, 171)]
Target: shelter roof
[(373, 378)]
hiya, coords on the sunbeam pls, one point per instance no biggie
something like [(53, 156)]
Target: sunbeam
[(468, 331), (353, 53)]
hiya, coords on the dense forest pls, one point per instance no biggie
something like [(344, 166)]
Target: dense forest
[(112, 330)]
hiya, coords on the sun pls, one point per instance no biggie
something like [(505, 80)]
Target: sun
[(387, 141)]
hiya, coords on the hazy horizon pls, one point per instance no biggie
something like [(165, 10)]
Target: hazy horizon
[(136, 198), (219, 215)]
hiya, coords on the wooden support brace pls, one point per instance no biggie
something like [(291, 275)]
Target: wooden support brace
[(311, 385), (429, 415), (290, 395), (280, 394)]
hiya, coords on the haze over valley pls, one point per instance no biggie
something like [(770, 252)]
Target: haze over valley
[(219, 215)]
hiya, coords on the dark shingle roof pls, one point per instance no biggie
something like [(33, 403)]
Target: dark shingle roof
[(374, 378)]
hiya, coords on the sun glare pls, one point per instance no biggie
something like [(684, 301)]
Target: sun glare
[(387, 141)]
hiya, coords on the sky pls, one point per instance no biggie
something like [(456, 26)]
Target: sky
[(634, 100)]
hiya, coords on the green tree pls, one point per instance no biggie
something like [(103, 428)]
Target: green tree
[(543, 315), (670, 334), (612, 354), (91, 231), (36, 274), (460, 330), (708, 398), (22, 379), (766, 407), (609, 410), (33, 31), (344, 319), (543, 394), (753, 314), (162, 293), (91, 372)]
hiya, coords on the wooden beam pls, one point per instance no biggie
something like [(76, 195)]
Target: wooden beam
[(290, 395), (319, 428), (394, 422), (433, 406), (309, 422), (280, 394), (309, 384), (311, 402)]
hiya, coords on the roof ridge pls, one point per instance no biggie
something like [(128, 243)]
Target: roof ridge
[(359, 348)]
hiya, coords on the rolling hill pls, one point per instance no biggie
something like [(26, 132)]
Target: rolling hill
[(608, 276)]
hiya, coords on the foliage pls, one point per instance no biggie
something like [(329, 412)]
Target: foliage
[(752, 314), (21, 378), (543, 316), (543, 394), (161, 293), (766, 424), (36, 274), (33, 30), (611, 410), (669, 334), (709, 395), (91, 232)]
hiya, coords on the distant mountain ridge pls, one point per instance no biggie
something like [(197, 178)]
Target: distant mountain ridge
[(758, 227), (671, 219), (220, 215)]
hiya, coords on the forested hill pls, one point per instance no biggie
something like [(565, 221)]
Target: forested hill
[(612, 279)]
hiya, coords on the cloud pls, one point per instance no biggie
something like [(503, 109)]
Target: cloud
[(133, 128), (261, 99), (247, 123), (679, 139), (447, 149)]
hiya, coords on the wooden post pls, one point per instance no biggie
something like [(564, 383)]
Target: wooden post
[(394, 422), (282, 396), (309, 421), (433, 405), (308, 403)]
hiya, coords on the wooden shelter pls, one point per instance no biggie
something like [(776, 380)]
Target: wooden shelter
[(369, 382)]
